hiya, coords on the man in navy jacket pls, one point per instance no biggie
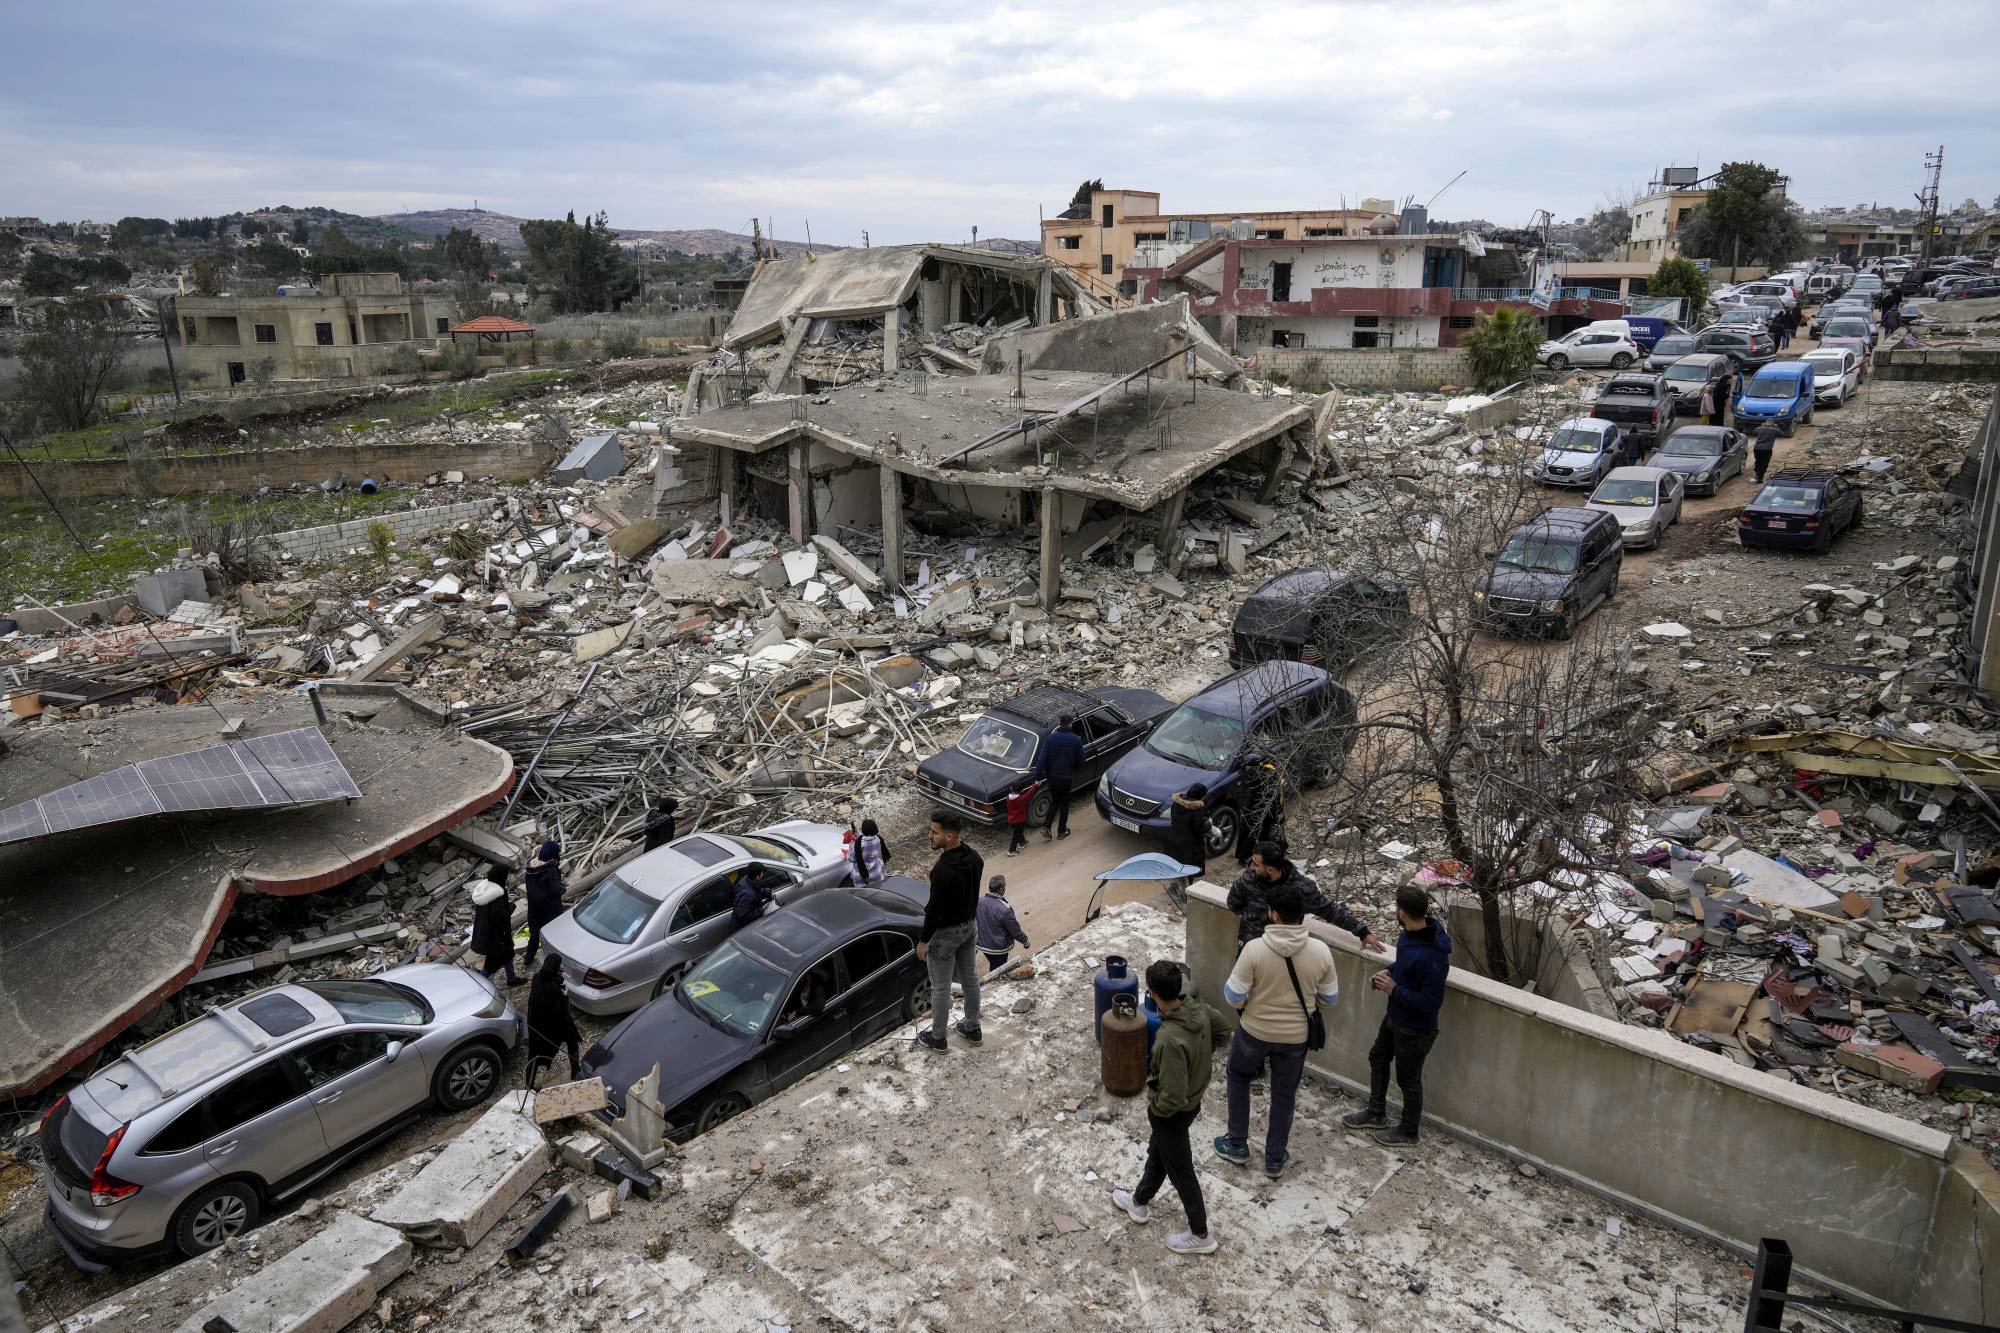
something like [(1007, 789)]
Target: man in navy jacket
[(1415, 984), (1062, 756)]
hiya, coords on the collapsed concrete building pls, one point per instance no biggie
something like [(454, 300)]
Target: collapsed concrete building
[(998, 392)]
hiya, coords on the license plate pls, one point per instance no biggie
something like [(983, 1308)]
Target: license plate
[(1780, 523), (1129, 825)]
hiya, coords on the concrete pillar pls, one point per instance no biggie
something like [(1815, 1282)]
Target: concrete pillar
[(892, 332), (1170, 523), (952, 286), (1274, 470), (1984, 635), (1044, 295), (1051, 548), (930, 304), (724, 462), (892, 528), (798, 491)]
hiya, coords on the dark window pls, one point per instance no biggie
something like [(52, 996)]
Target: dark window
[(1069, 242), (710, 900), (1367, 321), (266, 333), (444, 325), (353, 336), (262, 1090), (1275, 234), (867, 954), (276, 1014), (1107, 215), (187, 332), (1104, 263), (323, 333), (189, 1129), (1150, 236), (236, 372), (1281, 282), (1461, 321), (337, 1056), (703, 852), (1101, 723)]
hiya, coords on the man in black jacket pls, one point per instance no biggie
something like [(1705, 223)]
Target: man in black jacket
[(545, 895), (1062, 755), (948, 943), (1269, 868), (660, 829)]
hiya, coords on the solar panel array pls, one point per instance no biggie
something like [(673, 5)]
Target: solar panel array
[(289, 768)]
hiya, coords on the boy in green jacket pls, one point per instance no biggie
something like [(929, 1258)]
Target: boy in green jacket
[(1183, 1056)]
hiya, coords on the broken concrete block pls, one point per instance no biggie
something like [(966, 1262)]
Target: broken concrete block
[(1667, 631), (1713, 875), (800, 566), (157, 594), (1885, 820), (564, 1100), (634, 540), (541, 1226), (468, 1188), (589, 647), (595, 458), (579, 1150), (1829, 947), (598, 1207), (946, 604), (849, 564), (855, 600), (320, 1287)]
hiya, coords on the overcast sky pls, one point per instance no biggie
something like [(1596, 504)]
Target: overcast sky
[(919, 121)]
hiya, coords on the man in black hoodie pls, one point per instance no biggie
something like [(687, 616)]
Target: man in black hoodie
[(1269, 869), (948, 944)]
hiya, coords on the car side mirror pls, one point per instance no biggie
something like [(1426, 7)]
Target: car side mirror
[(392, 1050), (795, 1027)]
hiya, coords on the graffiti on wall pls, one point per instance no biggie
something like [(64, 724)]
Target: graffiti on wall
[(1339, 273)]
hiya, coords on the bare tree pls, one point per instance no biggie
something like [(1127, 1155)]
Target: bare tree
[(1511, 754), (70, 360)]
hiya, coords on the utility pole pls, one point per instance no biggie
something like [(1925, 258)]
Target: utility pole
[(170, 327), (1928, 200)]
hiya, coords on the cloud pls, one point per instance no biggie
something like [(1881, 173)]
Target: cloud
[(915, 121)]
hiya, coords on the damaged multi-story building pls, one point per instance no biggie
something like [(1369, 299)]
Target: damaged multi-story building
[(962, 390), (352, 324)]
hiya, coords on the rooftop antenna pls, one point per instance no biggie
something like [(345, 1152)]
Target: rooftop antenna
[(1447, 185)]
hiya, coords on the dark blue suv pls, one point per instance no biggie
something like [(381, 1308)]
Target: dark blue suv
[(1264, 708)]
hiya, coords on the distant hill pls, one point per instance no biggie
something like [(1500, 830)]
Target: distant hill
[(503, 229), (361, 230)]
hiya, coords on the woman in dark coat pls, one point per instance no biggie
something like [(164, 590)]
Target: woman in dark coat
[(545, 895), (549, 1022), (1187, 828), (493, 925)]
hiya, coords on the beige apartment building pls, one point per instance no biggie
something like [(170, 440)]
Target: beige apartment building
[(352, 325), (1099, 248), (1656, 224)]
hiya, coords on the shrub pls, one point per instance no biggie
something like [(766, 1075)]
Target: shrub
[(1501, 348), (622, 343), (381, 543), (264, 370), (560, 349), (405, 360)]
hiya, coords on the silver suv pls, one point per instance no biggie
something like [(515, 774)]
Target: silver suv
[(183, 1142)]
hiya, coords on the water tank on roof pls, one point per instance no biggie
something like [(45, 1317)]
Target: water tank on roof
[(1415, 222), (1673, 177), (1243, 228)]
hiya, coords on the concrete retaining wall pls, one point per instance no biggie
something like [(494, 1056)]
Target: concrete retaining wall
[(1414, 368), (1938, 363), (332, 540), (1689, 1137), (514, 459)]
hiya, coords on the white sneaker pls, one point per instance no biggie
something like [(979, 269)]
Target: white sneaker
[(1138, 1212), (1185, 1242)]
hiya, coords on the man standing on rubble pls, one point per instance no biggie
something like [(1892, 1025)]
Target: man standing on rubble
[(1761, 446), (493, 925), (1062, 755), (545, 896), (948, 944), (660, 823), (1270, 872)]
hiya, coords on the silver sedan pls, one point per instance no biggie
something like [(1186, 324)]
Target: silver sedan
[(648, 921)]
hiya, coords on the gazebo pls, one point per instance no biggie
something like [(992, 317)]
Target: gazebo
[(488, 330)]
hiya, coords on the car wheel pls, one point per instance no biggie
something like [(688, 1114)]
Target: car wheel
[(1565, 628), (1809, 415), (1039, 808), (222, 1212), (467, 1077), (722, 1106), (1622, 360), (1855, 522), (1221, 829), (1557, 361), (672, 976), (917, 1000), (1788, 428)]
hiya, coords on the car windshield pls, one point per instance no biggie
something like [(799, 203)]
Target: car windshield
[(372, 1001), (1771, 386), (1570, 440), (1689, 445), (1847, 328), (1531, 551), (767, 849), (1826, 365), (1687, 372), (1634, 491), (1197, 738), (1678, 346), (733, 990), (1776, 496), (1001, 743), (615, 911)]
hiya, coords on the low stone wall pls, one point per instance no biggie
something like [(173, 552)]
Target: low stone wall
[(1690, 1137), (332, 540), (1938, 363), (515, 459), (1412, 368)]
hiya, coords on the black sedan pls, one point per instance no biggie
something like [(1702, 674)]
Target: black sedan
[(998, 754), (784, 996), (1800, 509), (1704, 456), (1322, 617)]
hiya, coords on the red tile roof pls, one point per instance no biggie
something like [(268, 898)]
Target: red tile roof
[(493, 324)]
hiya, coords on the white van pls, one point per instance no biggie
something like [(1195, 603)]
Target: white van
[(1769, 287), (1820, 286)]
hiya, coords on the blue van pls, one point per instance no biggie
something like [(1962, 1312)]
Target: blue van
[(1782, 392)]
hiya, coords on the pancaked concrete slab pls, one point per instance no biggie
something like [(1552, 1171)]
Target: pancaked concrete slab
[(470, 1186), (320, 1287)]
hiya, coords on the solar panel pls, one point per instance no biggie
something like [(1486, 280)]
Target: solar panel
[(289, 768)]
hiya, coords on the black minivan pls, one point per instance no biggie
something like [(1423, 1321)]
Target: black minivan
[(1557, 568)]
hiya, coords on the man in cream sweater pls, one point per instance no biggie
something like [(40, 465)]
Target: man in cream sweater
[(1280, 979)]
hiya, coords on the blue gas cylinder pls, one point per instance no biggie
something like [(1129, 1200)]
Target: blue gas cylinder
[(1152, 1026), (1116, 979)]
